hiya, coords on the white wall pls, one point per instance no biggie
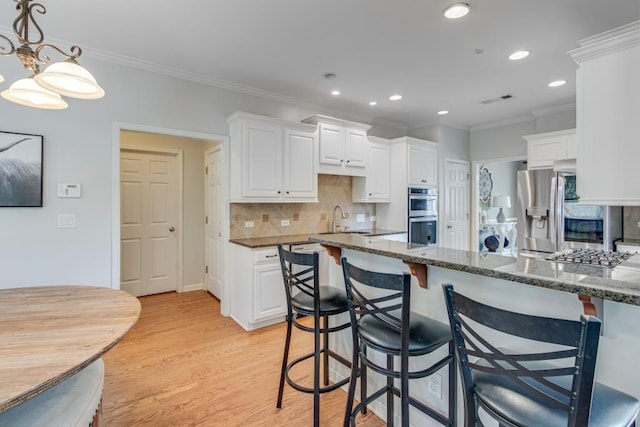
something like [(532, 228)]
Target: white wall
[(78, 149)]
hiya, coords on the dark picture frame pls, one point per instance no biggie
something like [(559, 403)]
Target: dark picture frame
[(21, 169)]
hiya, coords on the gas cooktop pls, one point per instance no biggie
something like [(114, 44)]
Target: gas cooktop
[(591, 257)]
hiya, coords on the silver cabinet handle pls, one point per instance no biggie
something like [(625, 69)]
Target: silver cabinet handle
[(271, 256), (172, 229)]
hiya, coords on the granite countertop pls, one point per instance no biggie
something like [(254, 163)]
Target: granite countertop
[(620, 284), (298, 239)]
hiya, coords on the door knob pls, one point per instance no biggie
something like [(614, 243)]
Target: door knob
[(172, 229)]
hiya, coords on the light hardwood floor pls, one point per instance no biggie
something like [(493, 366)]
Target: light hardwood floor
[(183, 364)]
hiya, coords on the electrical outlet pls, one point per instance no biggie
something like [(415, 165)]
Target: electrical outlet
[(249, 224), (435, 385), (284, 223), (373, 218), (360, 218), (638, 224)]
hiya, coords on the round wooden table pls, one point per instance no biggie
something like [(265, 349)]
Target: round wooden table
[(49, 333)]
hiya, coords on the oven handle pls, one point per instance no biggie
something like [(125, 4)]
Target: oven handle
[(423, 219)]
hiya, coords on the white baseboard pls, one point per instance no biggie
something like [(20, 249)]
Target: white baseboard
[(193, 287)]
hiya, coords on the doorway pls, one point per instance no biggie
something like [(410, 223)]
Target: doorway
[(190, 232)]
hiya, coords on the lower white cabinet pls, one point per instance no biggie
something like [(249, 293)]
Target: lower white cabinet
[(257, 290)]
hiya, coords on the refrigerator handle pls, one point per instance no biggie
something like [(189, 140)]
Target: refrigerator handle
[(553, 214), (560, 209)]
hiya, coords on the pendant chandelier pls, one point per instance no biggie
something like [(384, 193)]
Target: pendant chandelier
[(43, 89)]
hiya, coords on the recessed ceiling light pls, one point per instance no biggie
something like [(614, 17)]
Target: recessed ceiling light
[(395, 97), (519, 55), (456, 10), (372, 103), (335, 92), (557, 83), (443, 112)]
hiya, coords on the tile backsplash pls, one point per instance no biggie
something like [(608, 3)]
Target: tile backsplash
[(303, 217)]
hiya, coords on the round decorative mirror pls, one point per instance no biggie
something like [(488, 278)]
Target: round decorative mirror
[(485, 185)]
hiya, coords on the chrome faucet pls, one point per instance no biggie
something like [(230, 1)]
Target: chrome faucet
[(335, 225)]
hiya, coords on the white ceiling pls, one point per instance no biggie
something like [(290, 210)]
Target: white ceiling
[(281, 48)]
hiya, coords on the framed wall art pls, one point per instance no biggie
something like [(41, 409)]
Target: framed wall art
[(20, 170)]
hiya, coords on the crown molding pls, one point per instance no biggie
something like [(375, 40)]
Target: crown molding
[(542, 112), (615, 40), (505, 122)]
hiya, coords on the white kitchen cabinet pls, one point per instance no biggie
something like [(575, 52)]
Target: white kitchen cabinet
[(344, 147), (412, 161), (375, 187), (257, 292), (608, 108), (545, 148), (272, 160), (422, 164)]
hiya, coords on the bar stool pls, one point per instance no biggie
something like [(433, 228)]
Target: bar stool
[(306, 297), (552, 385), (381, 320)]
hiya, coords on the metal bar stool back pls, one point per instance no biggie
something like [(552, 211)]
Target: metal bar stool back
[(547, 382), (381, 320), (306, 297)]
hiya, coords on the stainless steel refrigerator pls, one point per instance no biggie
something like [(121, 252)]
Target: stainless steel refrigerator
[(551, 219)]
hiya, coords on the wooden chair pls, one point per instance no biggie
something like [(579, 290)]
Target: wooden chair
[(550, 384)]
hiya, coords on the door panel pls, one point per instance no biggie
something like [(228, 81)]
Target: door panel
[(149, 210), (456, 213), (214, 248)]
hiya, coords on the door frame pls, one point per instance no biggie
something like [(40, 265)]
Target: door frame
[(116, 128), (475, 205), (179, 155), (442, 212)]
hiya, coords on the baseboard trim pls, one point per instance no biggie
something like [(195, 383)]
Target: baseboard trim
[(193, 287)]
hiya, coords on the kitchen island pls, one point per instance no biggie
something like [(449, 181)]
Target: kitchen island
[(524, 284)]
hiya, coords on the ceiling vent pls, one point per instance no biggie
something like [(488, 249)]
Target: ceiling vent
[(500, 98)]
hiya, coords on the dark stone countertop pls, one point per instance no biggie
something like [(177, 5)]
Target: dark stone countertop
[(620, 284), (298, 239)]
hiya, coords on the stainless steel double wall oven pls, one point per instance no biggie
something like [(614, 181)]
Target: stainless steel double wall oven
[(423, 216)]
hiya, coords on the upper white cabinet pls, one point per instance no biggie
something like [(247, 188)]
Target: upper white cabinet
[(272, 160), (344, 148), (422, 164), (375, 187), (545, 148), (608, 112)]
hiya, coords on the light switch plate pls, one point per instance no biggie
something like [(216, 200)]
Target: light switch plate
[(285, 223), (360, 218), (67, 220), (249, 224), (373, 218)]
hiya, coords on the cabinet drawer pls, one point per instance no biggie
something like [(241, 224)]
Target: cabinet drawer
[(267, 255)]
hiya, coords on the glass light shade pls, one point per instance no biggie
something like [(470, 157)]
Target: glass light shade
[(70, 79), (456, 10), (28, 93), (1, 78)]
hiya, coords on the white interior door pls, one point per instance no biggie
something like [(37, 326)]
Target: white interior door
[(148, 217), (456, 215), (214, 248)]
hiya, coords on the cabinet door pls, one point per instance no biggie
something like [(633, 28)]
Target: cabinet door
[(262, 157), (542, 152), (300, 175), (331, 144), (356, 146), (378, 173), (269, 299), (423, 165)]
